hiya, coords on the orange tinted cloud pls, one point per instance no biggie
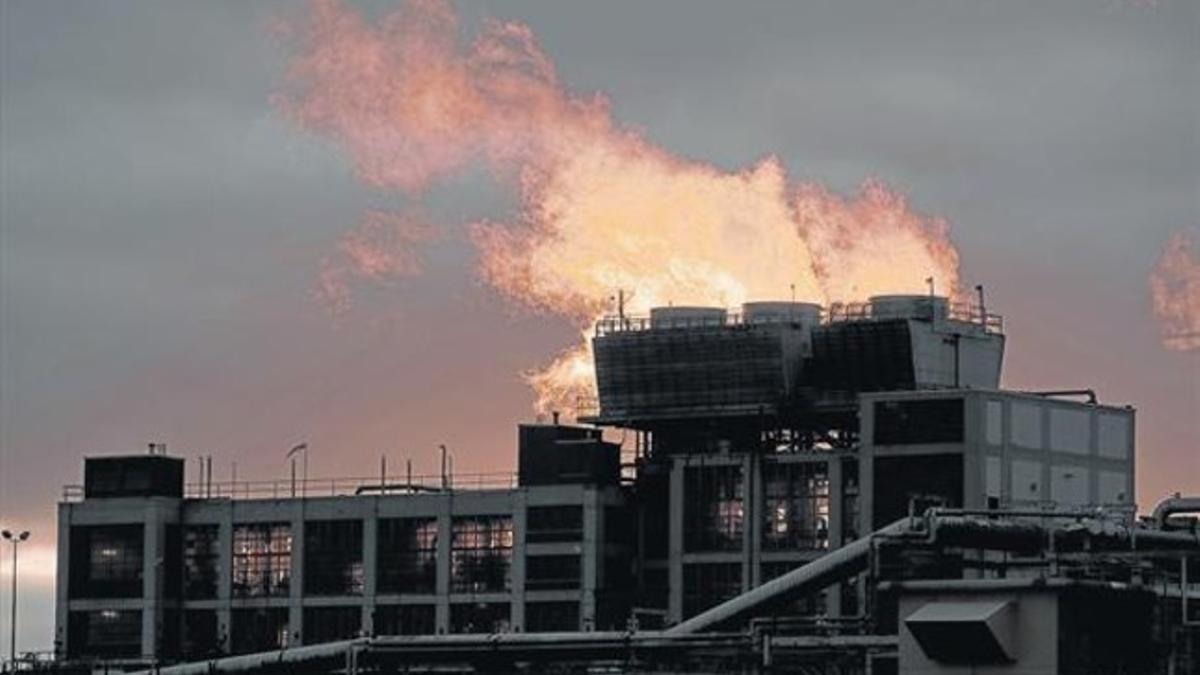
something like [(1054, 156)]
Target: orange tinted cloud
[(1175, 292)]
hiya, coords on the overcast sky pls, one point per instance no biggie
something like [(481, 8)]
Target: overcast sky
[(161, 227)]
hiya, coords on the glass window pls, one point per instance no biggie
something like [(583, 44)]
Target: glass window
[(551, 617), (481, 554), (201, 639), (709, 584), (552, 572), (262, 559), (480, 617), (796, 506), (406, 555), (328, 624), (919, 422), (714, 511), (106, 633), (850, 502), (260, 629), (554, 523), (405, 620), (106, 561), (201, 548), (333, 557)]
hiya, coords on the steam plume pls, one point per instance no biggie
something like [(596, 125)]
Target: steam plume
[(601, 207), (1175, 291)]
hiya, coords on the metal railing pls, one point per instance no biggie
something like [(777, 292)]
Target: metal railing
[(334, 487), (961, 312)]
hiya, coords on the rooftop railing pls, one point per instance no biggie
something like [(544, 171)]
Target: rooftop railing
[(960, 312), (334, 487)]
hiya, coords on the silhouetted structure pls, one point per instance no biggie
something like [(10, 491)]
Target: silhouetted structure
[(845, 487)]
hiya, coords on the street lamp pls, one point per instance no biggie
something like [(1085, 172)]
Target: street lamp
[(12, 644)]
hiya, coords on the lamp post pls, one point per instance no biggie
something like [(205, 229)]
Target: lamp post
[(12, 644)]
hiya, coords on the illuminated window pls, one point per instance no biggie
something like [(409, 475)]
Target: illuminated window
[(795, 506), (106, 561), (262, 559), (481, 554), (714, 512)]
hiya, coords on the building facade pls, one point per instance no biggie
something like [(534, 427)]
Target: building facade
[(146, 574), (754, 443)]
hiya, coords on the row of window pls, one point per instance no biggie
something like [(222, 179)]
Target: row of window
[(107, 561), (795, 507), (197, 634)]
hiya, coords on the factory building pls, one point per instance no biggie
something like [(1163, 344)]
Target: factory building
[(146, 573), (785, 463)]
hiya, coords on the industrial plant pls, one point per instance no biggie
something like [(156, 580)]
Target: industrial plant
[(782, 488)]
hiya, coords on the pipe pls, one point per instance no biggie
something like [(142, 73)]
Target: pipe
[(812, 576), (971, 532), (1020, 534), (487, 648), (261, 660), (1173, 505), (1053, 393), (388, 487)]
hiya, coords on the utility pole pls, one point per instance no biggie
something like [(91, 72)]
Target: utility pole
[(12, 641)]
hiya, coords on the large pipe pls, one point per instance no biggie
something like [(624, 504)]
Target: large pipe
[(811, 577), (947, 530), (981, 532), (1173, 505), (485, 648), (262, 660)]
